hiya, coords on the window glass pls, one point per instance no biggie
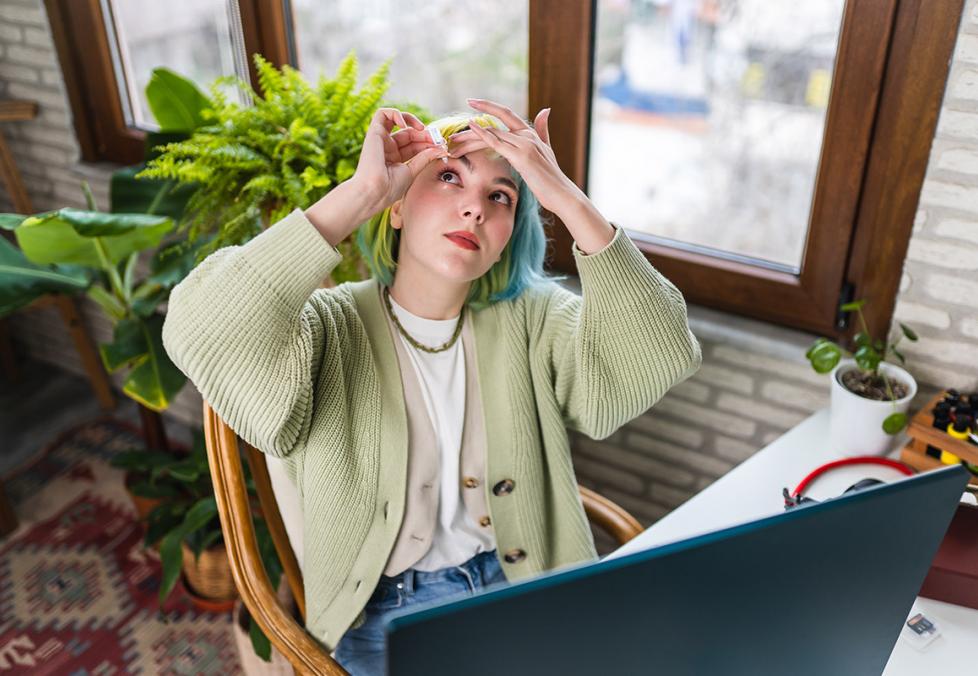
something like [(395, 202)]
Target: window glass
[(707, 121), (190, 37), (444, 51)]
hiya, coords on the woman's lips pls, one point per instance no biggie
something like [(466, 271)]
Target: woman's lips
[(462, 242)]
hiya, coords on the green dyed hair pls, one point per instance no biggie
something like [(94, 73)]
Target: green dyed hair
[(521, 262)]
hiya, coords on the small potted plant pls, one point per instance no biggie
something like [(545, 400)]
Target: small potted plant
[(870, 395), (188, 529)]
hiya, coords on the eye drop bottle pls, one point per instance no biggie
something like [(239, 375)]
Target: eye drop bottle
[(438, 140)]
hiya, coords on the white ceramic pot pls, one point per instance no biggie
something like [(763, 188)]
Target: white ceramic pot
[(856, 423)]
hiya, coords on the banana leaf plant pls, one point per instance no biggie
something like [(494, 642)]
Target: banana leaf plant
[(109, 245), (94, 252)]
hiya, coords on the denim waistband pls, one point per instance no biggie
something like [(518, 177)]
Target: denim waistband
[(408, 578)]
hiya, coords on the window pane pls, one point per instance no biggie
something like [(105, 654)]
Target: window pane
[(445, 51), (190, 37), (707, 120)]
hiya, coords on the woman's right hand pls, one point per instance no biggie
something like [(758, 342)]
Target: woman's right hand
[(390, 162)]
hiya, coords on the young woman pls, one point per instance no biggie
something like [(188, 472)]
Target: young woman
[(422, 413)]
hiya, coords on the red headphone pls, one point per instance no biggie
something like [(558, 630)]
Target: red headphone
[(796, 498)]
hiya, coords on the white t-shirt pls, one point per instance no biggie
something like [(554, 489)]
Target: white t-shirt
[(441, 376)]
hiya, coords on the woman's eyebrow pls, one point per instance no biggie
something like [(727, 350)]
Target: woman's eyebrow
[(499, 179)]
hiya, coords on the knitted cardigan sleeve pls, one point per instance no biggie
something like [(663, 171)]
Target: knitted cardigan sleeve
[(617, 348), (242, 327)]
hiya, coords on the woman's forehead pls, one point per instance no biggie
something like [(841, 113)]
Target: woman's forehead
[(487, 161)]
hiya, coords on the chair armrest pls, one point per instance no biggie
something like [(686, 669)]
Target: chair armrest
[(610, 516)]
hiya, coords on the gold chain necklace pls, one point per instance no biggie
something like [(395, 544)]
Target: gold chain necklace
[(458, 327)]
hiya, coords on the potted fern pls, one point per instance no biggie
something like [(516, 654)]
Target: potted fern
[(255, 164), (870, 395)]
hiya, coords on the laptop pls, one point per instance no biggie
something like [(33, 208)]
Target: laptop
[(822, 589)]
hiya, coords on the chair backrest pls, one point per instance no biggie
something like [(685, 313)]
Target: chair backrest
[(280, 506)]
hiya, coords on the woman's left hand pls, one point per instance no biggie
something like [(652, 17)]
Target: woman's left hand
[(528, 151)]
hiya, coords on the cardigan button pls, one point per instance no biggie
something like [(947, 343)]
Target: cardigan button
[(504, 487), (515, 556), (471, 482), (485, 521)]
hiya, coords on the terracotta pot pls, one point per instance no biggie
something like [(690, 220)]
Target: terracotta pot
[(210, 575)]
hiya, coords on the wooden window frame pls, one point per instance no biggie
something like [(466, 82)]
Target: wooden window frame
[(90, 78), (880, 124)]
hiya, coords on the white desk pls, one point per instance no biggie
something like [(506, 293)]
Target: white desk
[(753, 490)]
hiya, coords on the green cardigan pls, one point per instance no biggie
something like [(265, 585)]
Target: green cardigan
[(311, 375)]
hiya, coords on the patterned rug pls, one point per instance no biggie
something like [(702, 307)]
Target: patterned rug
[(78, 593)]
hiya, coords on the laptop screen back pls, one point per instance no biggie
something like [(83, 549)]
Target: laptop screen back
[(822, 589)]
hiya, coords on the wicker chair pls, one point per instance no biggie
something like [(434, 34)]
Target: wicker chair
[(288, 636)]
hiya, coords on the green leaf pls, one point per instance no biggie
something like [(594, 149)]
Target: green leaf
[(824, 356), (173, 262), (110, 305), (140, 460), (21, 281), (67, 236), (853, 306), (171, 558), (894, 423), (186, 471), (163, 519), (260, 642), (127, 276), (128, 344), (898, 354), (862, 338), (11, 221), (815, 345), (153, 196), (867, 358), (176, 102), (145, 489), (154, 380), (147, 298), (908, 332), (203, 511)]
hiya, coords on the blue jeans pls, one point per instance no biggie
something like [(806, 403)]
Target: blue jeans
[(361, 650)]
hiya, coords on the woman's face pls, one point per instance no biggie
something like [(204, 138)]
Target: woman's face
[(473, 193)]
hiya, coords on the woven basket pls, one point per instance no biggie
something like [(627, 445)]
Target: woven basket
[(210, 575)]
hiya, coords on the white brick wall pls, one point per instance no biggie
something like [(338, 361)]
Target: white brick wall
[(755, 382)]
